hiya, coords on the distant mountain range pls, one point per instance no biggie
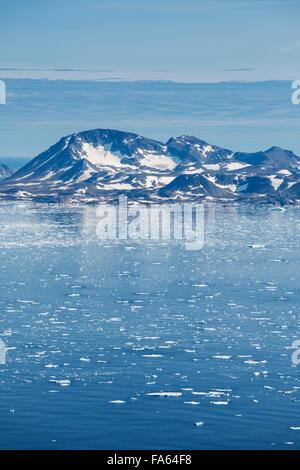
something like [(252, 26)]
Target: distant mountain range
[(5, 171), (99, 165)]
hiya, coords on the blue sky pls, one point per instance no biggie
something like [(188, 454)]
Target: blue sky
[(200, 40), (157, 67), (240, 116)]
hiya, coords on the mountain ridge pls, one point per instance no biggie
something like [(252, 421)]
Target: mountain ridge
[(100, 164)]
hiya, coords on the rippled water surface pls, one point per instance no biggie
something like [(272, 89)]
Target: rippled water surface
[(145, 344)]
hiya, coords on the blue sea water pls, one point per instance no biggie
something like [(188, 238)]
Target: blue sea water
[(146, 345)]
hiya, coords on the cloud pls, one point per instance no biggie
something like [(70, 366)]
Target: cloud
[(56, 69), (239, 70)]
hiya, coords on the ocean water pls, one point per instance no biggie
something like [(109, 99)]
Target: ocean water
[(146, 345)]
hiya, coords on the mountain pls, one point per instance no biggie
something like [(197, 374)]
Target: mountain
[(99, 165), (5, 171)]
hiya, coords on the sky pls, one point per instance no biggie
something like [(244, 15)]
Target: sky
[(186, 40), (218, 69), (244, 116)]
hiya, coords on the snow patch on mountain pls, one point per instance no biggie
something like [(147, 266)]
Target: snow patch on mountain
[(236, 166), (101, 155), (275, 181), (161, 162)]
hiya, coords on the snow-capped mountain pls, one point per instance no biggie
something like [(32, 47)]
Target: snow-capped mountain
[(5, 171), (101, 164)]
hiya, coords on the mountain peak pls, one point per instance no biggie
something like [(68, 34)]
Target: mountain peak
[(274, 149)]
